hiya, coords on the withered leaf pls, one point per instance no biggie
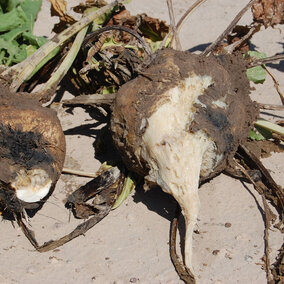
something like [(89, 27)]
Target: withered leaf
[(58, 8), (151, 28), (268, 12), (89, 3), (154, 29)]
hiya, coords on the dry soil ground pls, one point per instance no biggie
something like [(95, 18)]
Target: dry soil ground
[(131, 244)]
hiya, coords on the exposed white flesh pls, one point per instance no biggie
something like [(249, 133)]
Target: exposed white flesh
[(32, 185), (177, 157)]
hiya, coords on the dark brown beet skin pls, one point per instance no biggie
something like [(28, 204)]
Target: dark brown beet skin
[(31, 138)]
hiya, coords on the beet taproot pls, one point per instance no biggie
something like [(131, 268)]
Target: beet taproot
[(181, 121), (32, 152)]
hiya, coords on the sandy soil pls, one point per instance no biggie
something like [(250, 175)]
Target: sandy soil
[(131, 244)]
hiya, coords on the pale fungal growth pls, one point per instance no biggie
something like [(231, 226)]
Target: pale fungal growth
[(173, 152), (180, 124), (32, 152), (32, 185), (220, 103)]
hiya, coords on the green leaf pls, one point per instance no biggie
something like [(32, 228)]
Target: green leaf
[(37, 41), (43, 62), (128, 186), (8, 51), (11, 4), (12, 20), (256, 74), (21, 54), (257, 54), (259, 133), (255, 135), (108, 90), (8, 5), (2, 55), (267, 134), (155, 45), (31, 9), (30, 49), (16, 25)]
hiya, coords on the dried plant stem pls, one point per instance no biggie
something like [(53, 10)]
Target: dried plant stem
[(81, 229), (266, 175), (93, 100), (78, 173), (270, 126), (187, 13), (107, 186), (181, 21), (276, 85), (277, 137), (266, 60), (93, 35), (67, 62), (183, 272), (230, 48), (266, 239), (173, 25), (270, 107), (212, 46), (267, 221)]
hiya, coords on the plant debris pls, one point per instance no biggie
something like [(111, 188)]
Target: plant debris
[(103, 190), (269, 190), (268, 12), (58, 8), (117, 51)]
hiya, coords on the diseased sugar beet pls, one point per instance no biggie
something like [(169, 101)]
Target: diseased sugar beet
[(32, 152), (181, 121), (138, 99)]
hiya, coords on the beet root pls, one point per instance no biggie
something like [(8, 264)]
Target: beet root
[(32, 152), (181, 121)]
